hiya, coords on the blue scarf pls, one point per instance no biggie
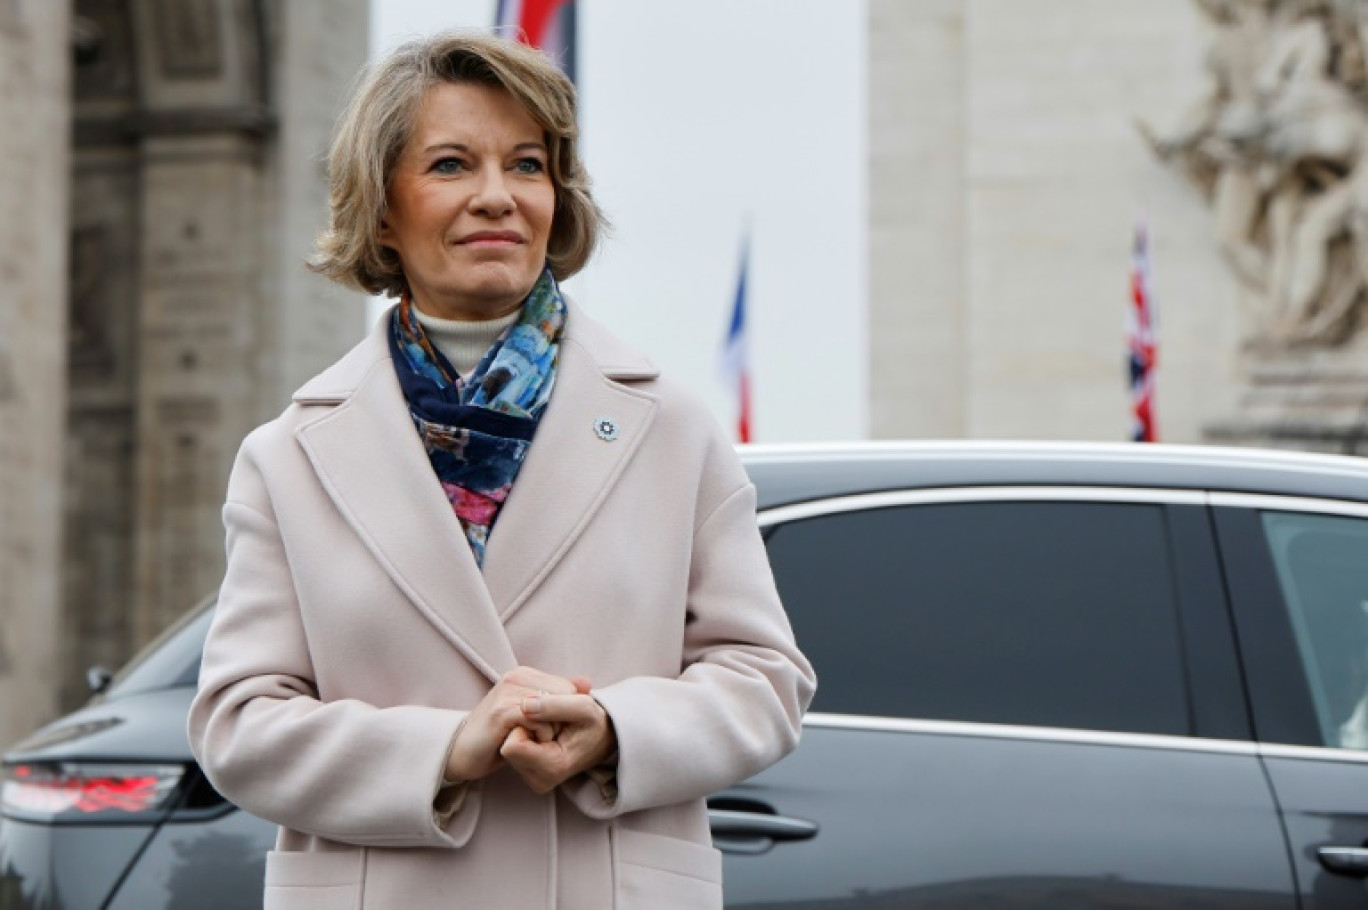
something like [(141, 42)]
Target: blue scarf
[(477, 430)]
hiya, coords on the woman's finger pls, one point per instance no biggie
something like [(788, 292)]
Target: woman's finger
[(515, 738), (561, 709), (539, 681), (538, 764)]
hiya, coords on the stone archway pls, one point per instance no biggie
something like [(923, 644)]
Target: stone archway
[(198, 127)]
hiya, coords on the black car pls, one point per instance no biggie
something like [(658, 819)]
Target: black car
[(1052, 676)]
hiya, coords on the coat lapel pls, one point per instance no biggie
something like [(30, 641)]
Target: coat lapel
[(372, 464), (570, 467)]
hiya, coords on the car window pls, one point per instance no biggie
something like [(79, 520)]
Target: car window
[(1055, 614), (1322, 566), (171, 659)]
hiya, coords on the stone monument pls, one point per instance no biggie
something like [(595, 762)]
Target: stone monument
[(34, 74), (161, 181), (200, 129), (1279, 148), (1006, 185)]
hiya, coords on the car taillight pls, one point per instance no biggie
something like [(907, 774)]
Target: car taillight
[(86, 791)]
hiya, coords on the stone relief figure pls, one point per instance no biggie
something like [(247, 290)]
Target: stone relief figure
[(1215, 141), (1280, 147)]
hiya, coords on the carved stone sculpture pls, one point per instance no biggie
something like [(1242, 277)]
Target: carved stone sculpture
[(1280, 148)]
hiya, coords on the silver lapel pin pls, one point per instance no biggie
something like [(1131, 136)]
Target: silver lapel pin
[(605, 429)]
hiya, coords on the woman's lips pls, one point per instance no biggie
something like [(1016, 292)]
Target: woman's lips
[(491, 239)]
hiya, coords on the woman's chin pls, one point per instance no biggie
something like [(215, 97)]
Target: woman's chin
[(489, 298)]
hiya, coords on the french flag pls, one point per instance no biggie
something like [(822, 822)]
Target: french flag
[(545, 24), (735, 353)]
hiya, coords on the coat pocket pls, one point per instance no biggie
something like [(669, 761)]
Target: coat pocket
[(314, 881), (653, 872)]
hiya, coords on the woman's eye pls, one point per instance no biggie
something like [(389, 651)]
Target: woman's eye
[(448, 166), (529, 166)]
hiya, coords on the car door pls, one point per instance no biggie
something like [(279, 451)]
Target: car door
[(1027, 698), (1298, 571)]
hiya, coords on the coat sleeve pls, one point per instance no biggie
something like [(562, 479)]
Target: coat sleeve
[(343, 770), (738, 705)]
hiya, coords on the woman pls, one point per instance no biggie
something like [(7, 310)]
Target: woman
[(441, 716)]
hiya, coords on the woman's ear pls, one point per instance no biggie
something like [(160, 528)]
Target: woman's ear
[(385, 234)]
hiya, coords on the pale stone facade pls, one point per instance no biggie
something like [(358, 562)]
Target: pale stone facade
[(1277, 145), (34, 86), (195, 189), (1007, 180)]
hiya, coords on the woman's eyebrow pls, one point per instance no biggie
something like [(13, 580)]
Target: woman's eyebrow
[(460, 147)]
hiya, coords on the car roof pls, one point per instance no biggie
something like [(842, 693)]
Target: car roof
[(790, 473)]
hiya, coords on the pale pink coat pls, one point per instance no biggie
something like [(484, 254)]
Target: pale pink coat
[(354, 631)]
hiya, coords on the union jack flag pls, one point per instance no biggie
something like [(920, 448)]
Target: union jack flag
[(1141, 340)]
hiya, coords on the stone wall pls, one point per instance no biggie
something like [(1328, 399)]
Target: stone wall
[(1007, 179), (34, 73), (917, 122), (201, 127)]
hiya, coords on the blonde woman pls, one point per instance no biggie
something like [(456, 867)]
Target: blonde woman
[(497, 616)]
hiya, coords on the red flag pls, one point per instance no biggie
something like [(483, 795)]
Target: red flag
[(545, 24), (1142, 342)]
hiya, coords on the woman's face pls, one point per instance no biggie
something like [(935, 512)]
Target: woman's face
[(470, 203)]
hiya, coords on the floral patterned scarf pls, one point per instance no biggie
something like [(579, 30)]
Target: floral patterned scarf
[(477, 430)]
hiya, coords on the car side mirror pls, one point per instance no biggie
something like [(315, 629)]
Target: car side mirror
[(98, 678)]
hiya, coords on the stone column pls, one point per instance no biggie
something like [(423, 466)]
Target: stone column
[(916, 206), (321, 45), (203, 121), (201, 131), (103, 367), (201, 301), (35, 62), (239, 98)]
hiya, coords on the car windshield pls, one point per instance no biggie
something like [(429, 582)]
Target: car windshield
[(170, 660)]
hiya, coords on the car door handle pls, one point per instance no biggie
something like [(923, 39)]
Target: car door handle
[(1345, 860), (732, 823)]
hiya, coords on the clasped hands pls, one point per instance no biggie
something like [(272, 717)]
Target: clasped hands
[(545, 727)]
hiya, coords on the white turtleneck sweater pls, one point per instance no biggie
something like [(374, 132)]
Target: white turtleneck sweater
[(464, 343)]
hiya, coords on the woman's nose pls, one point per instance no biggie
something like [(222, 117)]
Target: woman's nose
[(492, 197)]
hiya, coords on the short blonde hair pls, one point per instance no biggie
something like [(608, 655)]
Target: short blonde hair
[(379, 120)]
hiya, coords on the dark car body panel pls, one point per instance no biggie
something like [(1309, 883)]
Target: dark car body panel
[(216, 865), (79, 865), (785, 475), (1323, 792), (64, 867), (987, 819), (148, 726), (881, 811)]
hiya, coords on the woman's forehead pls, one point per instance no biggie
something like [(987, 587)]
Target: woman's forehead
[(468, 112)]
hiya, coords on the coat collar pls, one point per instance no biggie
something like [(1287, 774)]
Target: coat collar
[(614, 359), (366, 453)]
